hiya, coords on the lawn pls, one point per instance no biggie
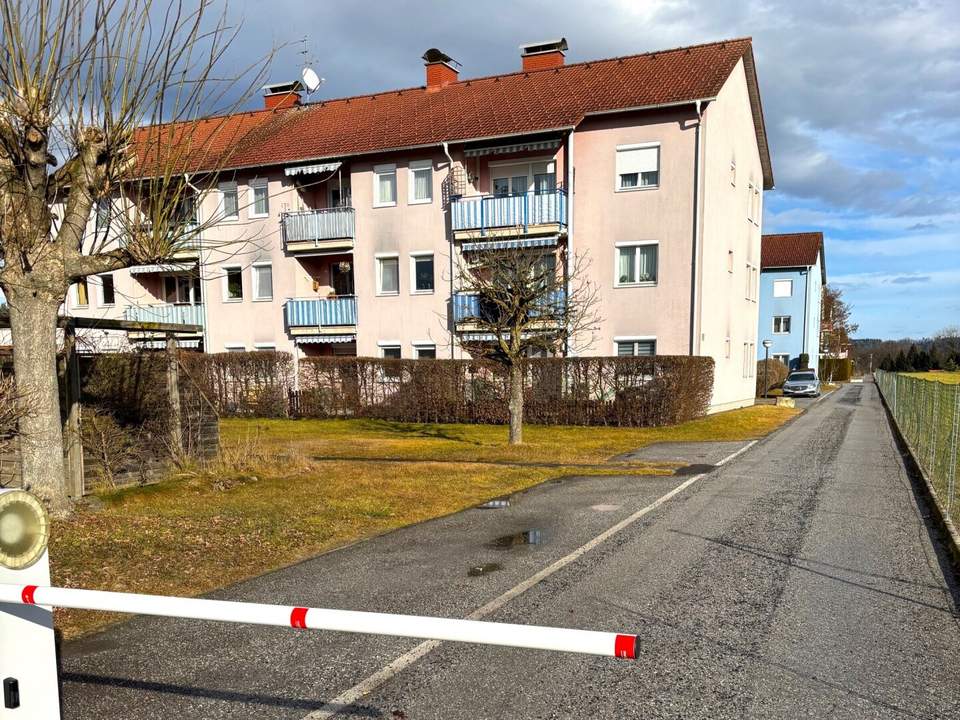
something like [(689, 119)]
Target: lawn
[(951, 378), (284, 490)]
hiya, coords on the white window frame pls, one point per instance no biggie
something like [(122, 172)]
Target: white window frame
[(413, 271), (254, 185), (637, 146), (634, 339), (412, 167), (265, 346), (781, 331), (225, 285), (378, 259), (780, 283), (419, 345), (383, 345), (783, 357), (222, 189), (530, 163), (235, 347), (616, 264), (255, 282), (386, 169), (103, 301)]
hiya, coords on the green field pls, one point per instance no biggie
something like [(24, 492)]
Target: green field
[(951, 378)]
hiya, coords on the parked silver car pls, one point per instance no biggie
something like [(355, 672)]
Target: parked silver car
[(802, 382)]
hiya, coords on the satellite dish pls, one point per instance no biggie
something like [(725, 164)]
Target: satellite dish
[(311, 81)]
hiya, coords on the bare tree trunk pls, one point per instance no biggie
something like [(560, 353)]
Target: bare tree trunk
[(33, 323), (516, 403)]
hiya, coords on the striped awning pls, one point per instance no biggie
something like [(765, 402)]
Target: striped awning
[(162, 344), (515, 148), (549, 241), (315, 169), (320, 339), (162, 267)]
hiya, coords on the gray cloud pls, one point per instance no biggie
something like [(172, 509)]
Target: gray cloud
[(910, 279)]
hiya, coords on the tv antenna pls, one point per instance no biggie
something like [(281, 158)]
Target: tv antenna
[(311, 81)]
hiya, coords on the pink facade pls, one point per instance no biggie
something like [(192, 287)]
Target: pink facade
[(670, 249)]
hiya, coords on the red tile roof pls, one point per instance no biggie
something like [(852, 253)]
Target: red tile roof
[(495, 106), (792, 250)]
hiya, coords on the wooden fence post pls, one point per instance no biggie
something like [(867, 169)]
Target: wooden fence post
[(173, 398), (72, 438)]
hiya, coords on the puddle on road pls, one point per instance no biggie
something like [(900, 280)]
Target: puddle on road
[(527, 537), (695, 469), (485, 569)]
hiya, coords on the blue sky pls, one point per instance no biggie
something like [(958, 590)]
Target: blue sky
[(860, 100)]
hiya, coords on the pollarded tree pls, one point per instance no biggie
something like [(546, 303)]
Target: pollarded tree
[(92, 95), (524, 302)]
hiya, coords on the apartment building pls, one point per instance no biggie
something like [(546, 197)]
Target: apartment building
[(793, 272), (339, 224)]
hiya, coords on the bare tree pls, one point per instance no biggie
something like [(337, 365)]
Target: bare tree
[(95, 102), (523, 303)]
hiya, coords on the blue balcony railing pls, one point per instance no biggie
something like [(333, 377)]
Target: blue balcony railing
[(468, 307), (165, 313), (331, 312), (521, 211), (318, 225)]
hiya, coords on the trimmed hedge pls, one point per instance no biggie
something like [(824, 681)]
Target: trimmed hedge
[(776, 373), (836, 369), (627, 391), (243, 383)]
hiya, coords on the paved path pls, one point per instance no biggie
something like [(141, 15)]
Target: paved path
[(798, 580)]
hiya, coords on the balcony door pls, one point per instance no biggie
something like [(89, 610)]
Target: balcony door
[(181, 290), (538, 177), (341, 278)]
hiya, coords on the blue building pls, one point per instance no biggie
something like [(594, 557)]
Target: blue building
[(792, 276)]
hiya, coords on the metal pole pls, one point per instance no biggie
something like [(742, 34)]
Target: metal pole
[(535, 637), (952, 476), (766, 360)]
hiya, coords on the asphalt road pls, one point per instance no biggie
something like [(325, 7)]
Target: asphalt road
[(798, 580)]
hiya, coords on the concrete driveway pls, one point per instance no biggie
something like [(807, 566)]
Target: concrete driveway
[(798, 580)]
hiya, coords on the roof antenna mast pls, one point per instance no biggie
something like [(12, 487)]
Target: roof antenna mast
[(311, 81)]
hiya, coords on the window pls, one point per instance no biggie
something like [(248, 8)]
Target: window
[(544, 178), (420, 181), (265, 347), (425, 352), (730, 261), (102, 219), (636, 264), (783, 288), (782, 357), (186, 209), (235, 347), (384, 185), (751, 288), (421, 273), (726, 348), (229, 201), (261, 198), (233, 284), (636, 346), (388, 275), (749, 360), (520, 178), (108, 292), (733, 173), (781, 324), (181, 289), (638, 167), (753, 214), (263, 281), (83, 293)]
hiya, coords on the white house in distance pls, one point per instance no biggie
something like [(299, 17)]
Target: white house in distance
[(350, 213)]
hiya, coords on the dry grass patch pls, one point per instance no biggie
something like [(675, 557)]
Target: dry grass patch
[(950, 378), (286, 490)]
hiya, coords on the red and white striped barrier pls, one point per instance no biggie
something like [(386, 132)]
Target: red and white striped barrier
[(428, 628)]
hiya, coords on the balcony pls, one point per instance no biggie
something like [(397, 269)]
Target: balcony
[(469, 311), (163, 313), (318, 231), (332, 316), (516, 215)]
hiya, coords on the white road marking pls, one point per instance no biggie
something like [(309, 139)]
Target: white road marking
[(351, 696)]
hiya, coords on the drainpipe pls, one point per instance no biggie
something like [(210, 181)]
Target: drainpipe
[(806, 302), (203, 288), (568, 160), (446, 151), (696, 232)]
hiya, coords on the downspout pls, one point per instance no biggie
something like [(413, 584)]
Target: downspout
[(806, 303), (694, 265), (568, 161), (450, 321), (200, 263)]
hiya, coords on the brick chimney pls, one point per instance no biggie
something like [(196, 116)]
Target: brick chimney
[(543, 55), (282, 95), (441, 69)]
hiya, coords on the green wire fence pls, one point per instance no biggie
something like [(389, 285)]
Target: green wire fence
[(928, 415)]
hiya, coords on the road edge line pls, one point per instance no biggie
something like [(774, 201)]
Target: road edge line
[(350, 697)]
